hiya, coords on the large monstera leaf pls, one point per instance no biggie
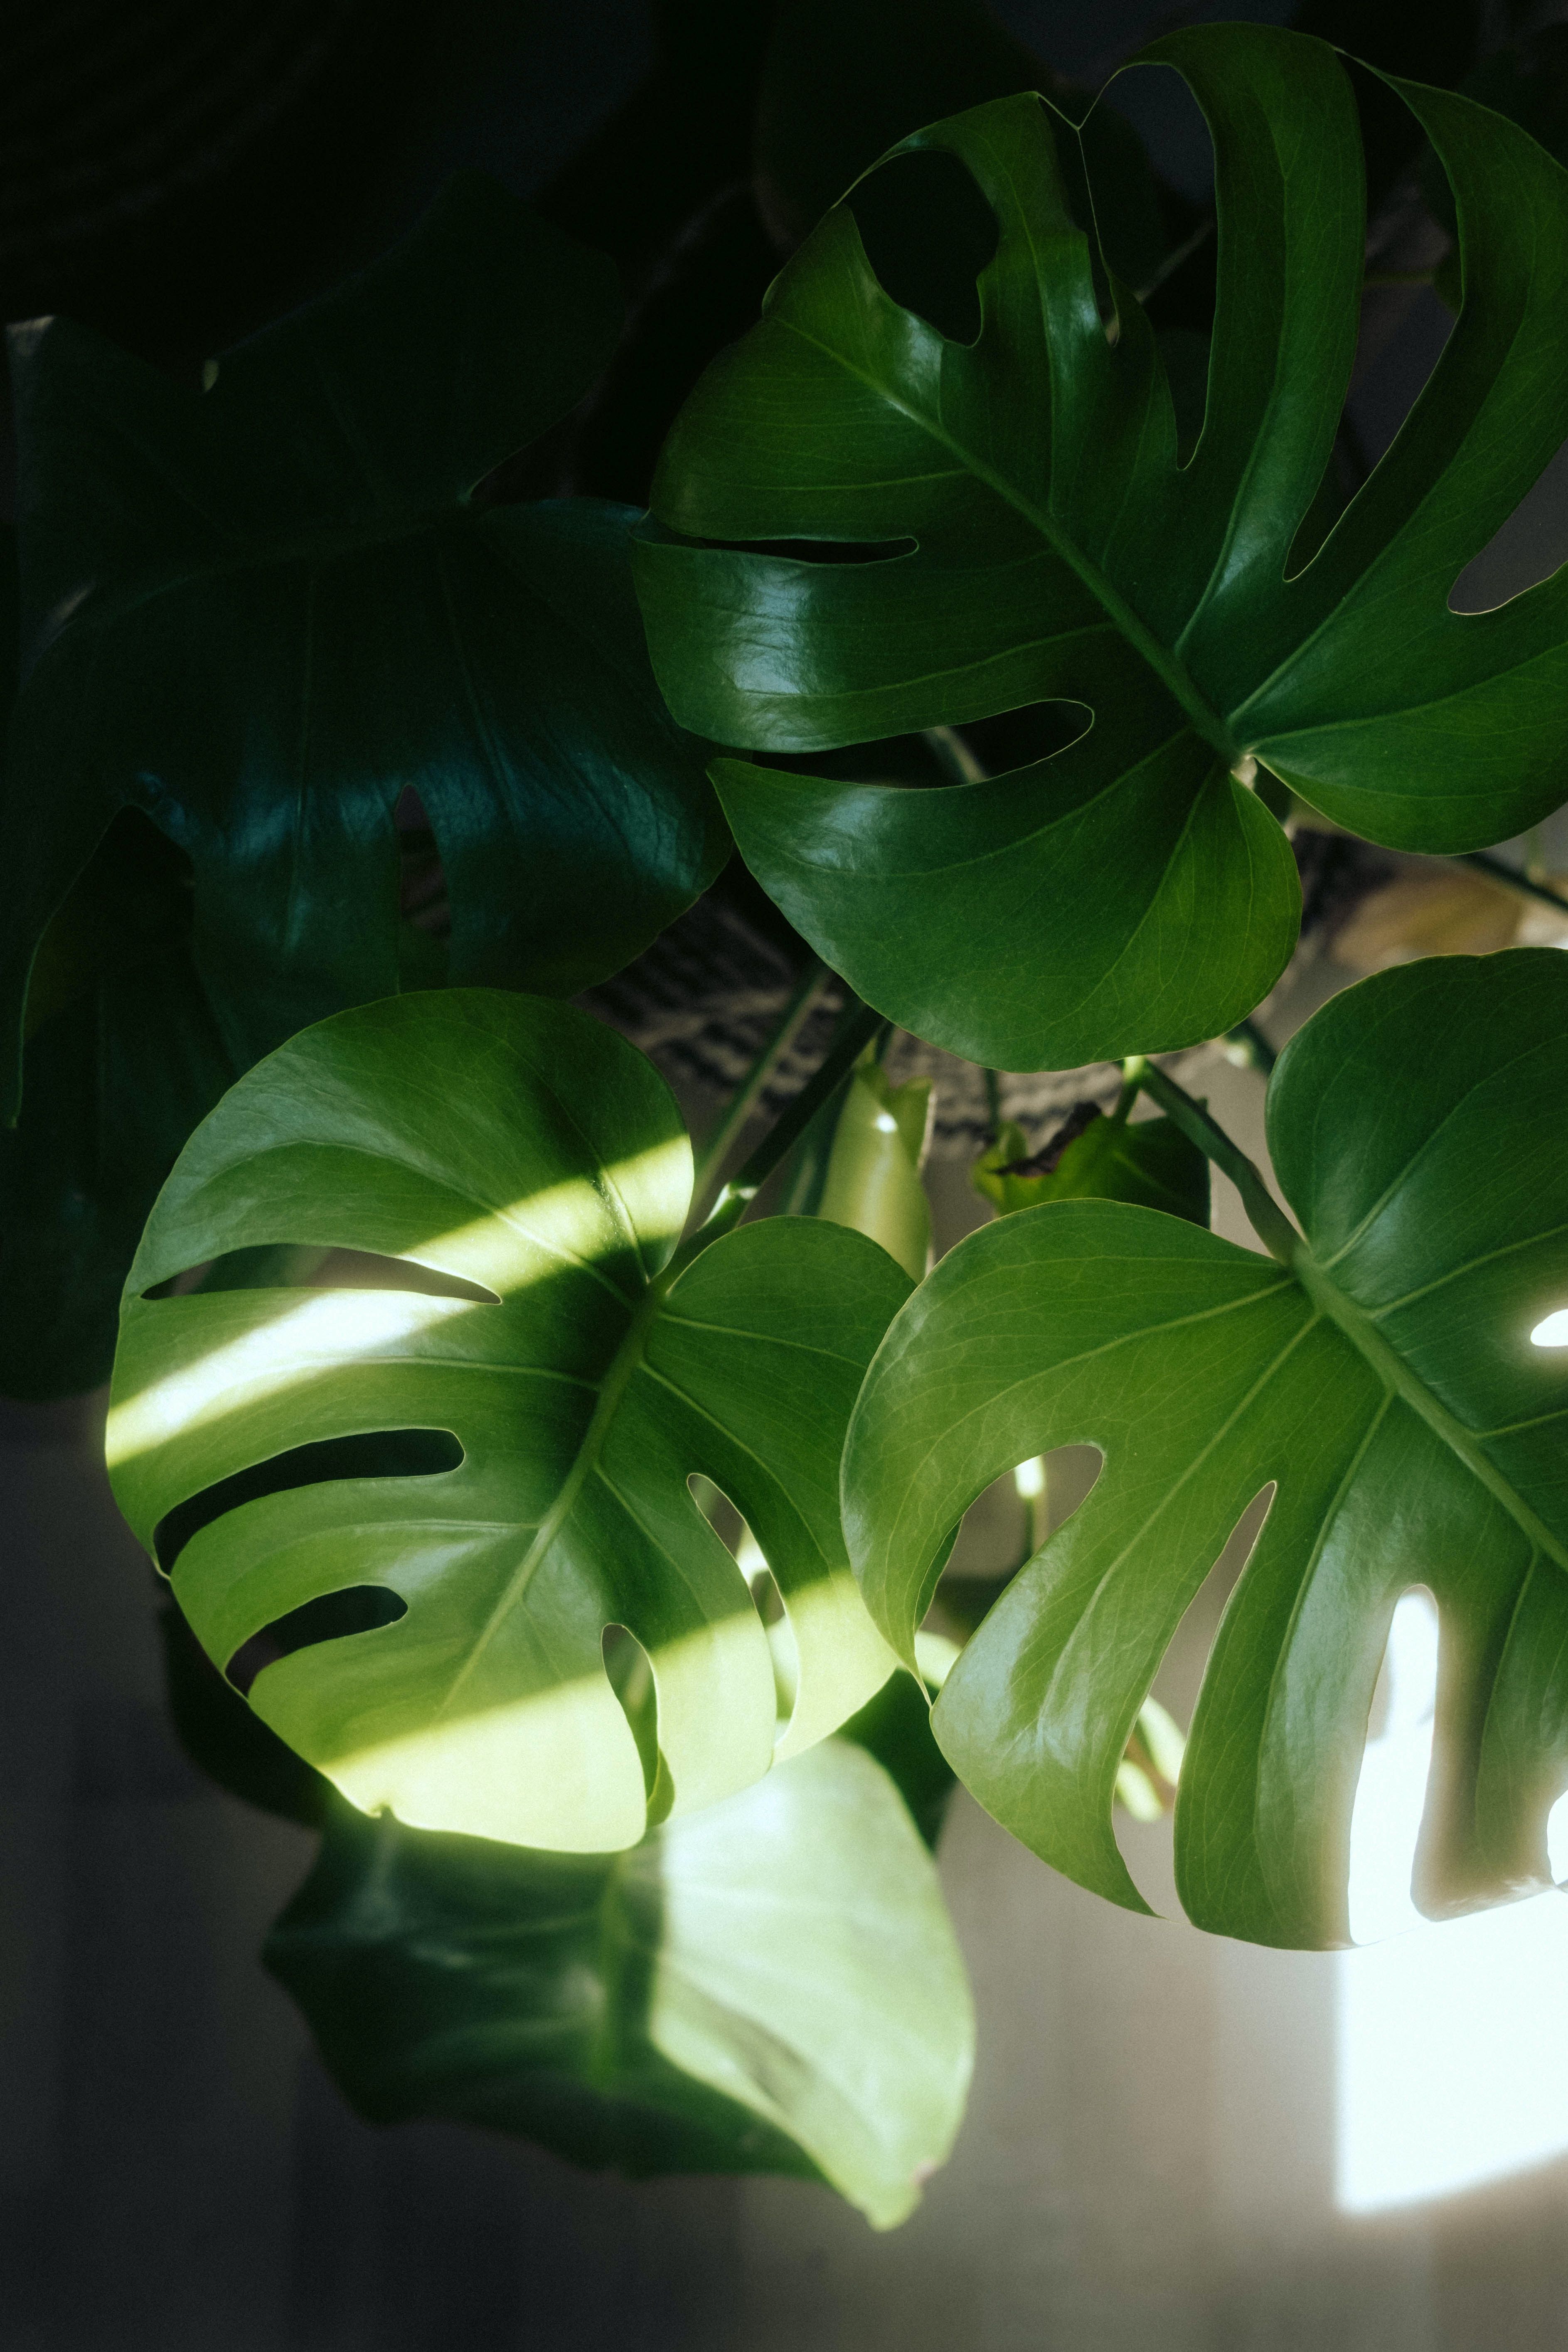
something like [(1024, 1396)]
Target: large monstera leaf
[(769, 1985), (490, 1456), (1383, 1386), (1010, 526), (259, 614)]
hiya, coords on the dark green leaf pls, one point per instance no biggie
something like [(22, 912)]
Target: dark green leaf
[(457, 1145), (1150, 1162), (1386, 1391), (263, 612), (771, 1986), (1013, 527), (125, 1060)]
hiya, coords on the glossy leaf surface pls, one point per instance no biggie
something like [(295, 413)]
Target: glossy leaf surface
[(262, 612), (468, 1143), (1148, 1162), (1009, 525), (769, 1986), (1386, 1392)]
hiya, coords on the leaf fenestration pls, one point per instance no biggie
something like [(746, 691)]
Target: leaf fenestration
[(525, 1150)]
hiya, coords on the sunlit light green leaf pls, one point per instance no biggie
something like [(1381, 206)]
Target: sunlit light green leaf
[(477, 1143)]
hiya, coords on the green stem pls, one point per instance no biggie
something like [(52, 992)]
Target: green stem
[(1247, 1044), (994, 1103), (1398, 1376), (1174, 260), (859, 1027), (747, 1095), (952, 754), (1496, 869), (1269, 1222)]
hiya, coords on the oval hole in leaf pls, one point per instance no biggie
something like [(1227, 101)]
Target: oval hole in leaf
[(1036, 730), (1397, 361), (331, 1617), (424, 899), (732, 1531), (815, 551), (630, 1672), (371, 1453), (1170, 124), (927, 232), (1522, 552), (1177, 1685), (1004, 1528), (1391, 1784), (285, 1266)]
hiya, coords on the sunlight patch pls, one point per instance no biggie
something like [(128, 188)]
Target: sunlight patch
[(507, 1250), (1452, 2036)]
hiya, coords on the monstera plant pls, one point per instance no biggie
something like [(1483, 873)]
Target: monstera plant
[(557, 1519)]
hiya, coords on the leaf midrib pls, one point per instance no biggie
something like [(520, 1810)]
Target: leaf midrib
[(613, 1387), (1171, 672), (1407, 1384)]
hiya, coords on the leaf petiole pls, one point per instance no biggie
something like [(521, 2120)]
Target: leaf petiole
[(705, 1183), (953, 756), (1272, 1226), (1496, 869), (859, 1026), (1248, 1048)]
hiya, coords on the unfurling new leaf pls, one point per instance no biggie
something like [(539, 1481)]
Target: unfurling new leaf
[(1092, 1158)]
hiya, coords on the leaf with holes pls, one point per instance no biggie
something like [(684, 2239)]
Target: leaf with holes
[(769, 1986), (1386, 1389), (258, 617), (986, 512), (493, 1448)]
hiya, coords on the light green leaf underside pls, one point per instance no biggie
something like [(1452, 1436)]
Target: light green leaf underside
[(772, 1985)]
